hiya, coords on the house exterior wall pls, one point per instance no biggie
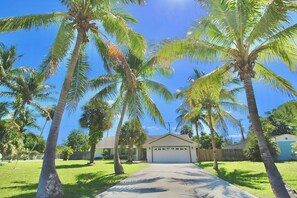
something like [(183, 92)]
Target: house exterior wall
[(284, 143), (99, 153), (171, 141)]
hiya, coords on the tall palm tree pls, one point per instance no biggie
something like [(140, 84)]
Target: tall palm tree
[(248, 34), (97, 117), (211, 94), (82, 20), (199, 119), (133, 98)]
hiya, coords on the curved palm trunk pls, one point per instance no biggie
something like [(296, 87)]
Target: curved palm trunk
[(49, 183), (39, 135), (118, 168), (274, 176), (198, 141), (215, 162), (92, 154)]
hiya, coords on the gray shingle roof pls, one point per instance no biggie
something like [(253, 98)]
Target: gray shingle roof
[(108, 142)]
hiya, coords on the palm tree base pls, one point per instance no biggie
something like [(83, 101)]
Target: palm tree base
[(50, 186)]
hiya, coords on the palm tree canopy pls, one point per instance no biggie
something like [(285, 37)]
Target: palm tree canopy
[(28, 89), (139, 101), (246, 34), (216, 91)]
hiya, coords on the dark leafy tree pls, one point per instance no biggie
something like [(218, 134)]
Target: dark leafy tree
[(252, 151), (132, 134), (97, 117), (186, 130), (77, 140), (34, 142)]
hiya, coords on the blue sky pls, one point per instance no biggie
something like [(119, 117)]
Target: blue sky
[(159, 19)]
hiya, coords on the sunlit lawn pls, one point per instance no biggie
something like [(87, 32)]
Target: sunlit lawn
[(251, 176), (78, 179)]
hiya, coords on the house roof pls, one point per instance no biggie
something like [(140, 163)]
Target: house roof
[(285, 137), (182, 137), (108, 142)]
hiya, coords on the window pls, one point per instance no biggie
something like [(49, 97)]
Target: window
[(181, 148), (176, 148), (163, 149), (186, 149)]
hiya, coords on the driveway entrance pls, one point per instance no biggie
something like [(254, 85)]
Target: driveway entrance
[(174, 180)]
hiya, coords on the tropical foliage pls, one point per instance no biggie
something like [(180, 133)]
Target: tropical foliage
[(252, 151)]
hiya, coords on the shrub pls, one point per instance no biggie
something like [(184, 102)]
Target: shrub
[(107, 154), (65, 151), (252, 151)]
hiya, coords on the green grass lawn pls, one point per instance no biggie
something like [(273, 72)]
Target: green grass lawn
[(251, 176), (78, 179)]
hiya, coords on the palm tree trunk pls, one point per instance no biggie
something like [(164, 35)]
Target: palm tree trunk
[(198, 141), (130, 153), (92, 153), (275, 179), (49, 183), (118, 168), (39, 135), (215, 162)]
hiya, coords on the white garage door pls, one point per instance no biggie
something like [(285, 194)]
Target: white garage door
[(171, 154)]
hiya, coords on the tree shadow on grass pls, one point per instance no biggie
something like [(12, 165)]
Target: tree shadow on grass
[(208, 164), (23, 186), (91, 184), (243, 178), (71, 166)]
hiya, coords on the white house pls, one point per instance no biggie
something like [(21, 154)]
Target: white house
[(284, 143), (168, 148)]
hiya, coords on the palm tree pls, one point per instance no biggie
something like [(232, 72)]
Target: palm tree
[(199, 120), (210, 93), (132, 134), (247, 35), (133, 98), (48, 115), (84, 18), (97, 117), (8, 56), (27, 89), (25, 119)]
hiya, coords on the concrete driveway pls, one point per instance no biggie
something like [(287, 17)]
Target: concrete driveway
[(173, 180)]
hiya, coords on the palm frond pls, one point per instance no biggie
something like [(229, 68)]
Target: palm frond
[(59, 49), (28, 22), (79, 81), (273, 80)]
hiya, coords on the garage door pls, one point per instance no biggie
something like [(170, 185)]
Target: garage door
[(171, 154)]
